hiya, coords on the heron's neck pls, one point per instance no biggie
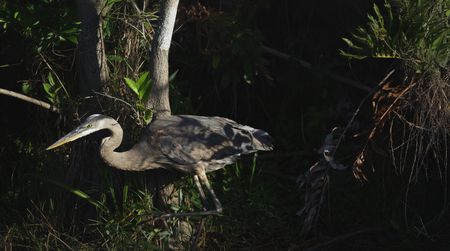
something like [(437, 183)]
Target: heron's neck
[(131, 160)]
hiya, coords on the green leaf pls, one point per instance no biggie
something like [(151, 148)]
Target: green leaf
[(132, 85), (348, 42), (437, 43), (350, 55), (71, 30), (125, 195), (142, 78), (172, 76), (98, 204), (50, 79), (72, 39), (145, 86), (113, 195), (145, 90), (26, 87), (47, 88), (378, 13), (148, 113)]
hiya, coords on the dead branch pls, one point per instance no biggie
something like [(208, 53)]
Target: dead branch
[(29, 99)]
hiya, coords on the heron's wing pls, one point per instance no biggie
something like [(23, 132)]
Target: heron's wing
[(190, 149), (191, 139)]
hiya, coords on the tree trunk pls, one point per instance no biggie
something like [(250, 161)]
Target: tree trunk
[(92, 67), (159, 57), (166, 193), (92, 75)]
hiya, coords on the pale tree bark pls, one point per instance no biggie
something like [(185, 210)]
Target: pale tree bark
[(159, 94), (166, 193), (159, 57)]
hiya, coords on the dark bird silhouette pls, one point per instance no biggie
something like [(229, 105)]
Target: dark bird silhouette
[(190, 144)]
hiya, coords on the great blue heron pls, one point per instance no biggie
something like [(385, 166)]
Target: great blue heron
[(190, 144)]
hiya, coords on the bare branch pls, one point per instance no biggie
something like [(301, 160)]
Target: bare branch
[(29, 99)]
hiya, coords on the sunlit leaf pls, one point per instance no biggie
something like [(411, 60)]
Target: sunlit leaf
[(142, 78), (132, 85), (47, 88)]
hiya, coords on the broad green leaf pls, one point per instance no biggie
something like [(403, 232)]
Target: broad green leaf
[(132, 85), (145, 86), (47, 88), (142, 78), (145, 90)]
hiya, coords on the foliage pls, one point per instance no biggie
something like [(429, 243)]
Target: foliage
[(417, 32), (45, 23), (50, 30), (410, 116), (51, 89), (142, 87), (229, 45)]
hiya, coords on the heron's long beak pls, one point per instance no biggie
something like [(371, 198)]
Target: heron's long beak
[(79, 132)]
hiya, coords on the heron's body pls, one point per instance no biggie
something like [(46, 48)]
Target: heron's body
[(190, 144)]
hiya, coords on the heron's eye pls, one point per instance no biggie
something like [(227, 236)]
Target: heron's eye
[(89, 126)]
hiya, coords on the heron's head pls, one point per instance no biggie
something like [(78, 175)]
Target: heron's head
[(93, 123)]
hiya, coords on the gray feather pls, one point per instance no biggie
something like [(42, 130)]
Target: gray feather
[(191, 139)]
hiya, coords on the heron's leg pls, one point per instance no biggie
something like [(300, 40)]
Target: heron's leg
[(204, 179), (201, 192)]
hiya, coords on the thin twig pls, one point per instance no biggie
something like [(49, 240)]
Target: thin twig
[(117, 99), (29, 99), (135, 7), (54, 72), (382, 82), (309, 66), (391, 106)]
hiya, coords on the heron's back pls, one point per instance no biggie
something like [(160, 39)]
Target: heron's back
[(187, 140)]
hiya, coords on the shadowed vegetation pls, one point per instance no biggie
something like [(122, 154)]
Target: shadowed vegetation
[(355, 95)]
